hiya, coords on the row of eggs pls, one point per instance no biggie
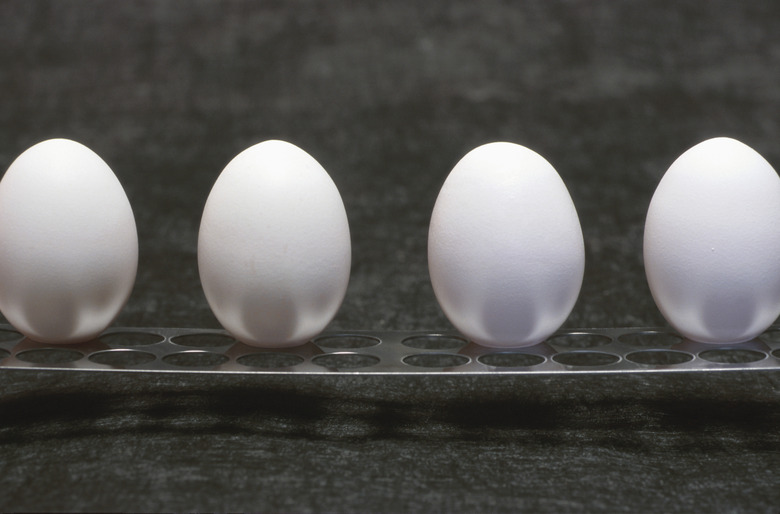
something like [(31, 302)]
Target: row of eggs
[(505, 249)]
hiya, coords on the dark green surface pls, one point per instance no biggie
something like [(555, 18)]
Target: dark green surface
[(388, 96)]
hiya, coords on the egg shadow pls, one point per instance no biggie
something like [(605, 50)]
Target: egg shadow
[(509, 320), (729, 314), (73, 313), (274, 317), (52, 311)]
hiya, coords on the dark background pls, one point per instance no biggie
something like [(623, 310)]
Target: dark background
[(388, 96)]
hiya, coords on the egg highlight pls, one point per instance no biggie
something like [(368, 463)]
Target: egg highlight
[(68, 243), (712, 243), (274, 249), (506, 255)]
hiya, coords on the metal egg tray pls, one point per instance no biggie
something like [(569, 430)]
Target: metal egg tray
[(178, 350)]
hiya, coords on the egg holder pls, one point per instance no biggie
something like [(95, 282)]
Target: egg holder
[(575, 351)]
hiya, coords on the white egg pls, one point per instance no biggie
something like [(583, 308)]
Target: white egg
[(712, 243), (68, 243), (274, 248), (505, 249)]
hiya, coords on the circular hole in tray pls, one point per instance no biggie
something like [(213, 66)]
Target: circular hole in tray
[(347, 341), (732, 355), (650, 339), (511, 359), (3, 354), (659, 357), (203, 340), (340, 361), (122, 358), (434, 342), (9, 335), (49, 356), (579, 340), (586, 358), (196, 359), (121, 339), (270, 360), (436, 360), (776, 353)]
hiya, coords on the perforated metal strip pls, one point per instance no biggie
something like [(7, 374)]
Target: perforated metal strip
[(180, 350)]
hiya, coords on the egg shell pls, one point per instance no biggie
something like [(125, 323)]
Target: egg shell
[(274, 248), (68, 243), (712, 243), (505, 250)]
